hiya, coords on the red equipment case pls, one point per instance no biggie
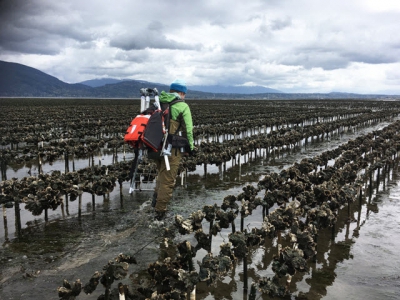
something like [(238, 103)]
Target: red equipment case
[(136, 129)]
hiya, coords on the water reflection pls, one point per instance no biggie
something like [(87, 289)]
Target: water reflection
[(334, 247)]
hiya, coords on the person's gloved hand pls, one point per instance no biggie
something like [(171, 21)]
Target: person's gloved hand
[(193, 152)]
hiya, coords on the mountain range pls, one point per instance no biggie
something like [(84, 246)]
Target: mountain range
[(17, 80), (219, 89)]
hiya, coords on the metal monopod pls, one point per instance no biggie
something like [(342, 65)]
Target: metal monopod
[(145, 102)]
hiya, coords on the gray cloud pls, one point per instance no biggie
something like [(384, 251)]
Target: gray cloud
[(236, 48), (148, 39), (315, 58), (34, 28), (156, 26), (293, 45), (280, 24), (380, 57)]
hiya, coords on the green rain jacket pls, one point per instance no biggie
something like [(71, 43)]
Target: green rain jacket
[(180, 111)]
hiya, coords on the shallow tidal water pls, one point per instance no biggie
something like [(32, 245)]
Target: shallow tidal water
[(359, 261), (373, 268)]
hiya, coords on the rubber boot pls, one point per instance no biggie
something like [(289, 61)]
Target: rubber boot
[(160, 215), (154, 202)]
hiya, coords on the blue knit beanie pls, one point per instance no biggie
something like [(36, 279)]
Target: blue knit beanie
[(178, 85)]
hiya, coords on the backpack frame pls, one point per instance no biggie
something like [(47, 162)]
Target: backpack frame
[(149, 130)]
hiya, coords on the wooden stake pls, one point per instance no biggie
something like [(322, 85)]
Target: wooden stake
[(5, 222), (93, 202), (80, 205), (210, 235)]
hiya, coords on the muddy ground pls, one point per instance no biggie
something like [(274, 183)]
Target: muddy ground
[(34, 265)]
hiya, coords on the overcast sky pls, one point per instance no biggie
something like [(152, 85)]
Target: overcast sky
[(289, 45)]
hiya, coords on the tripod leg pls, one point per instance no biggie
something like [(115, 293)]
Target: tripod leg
[(133, 171)]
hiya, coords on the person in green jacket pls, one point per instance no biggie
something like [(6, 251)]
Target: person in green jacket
[(181, 124)]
